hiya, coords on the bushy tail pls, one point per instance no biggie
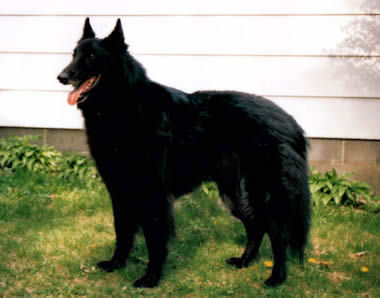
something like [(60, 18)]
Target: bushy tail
[(301, 227)]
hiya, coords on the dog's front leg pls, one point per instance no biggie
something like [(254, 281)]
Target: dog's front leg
[(157, 227), (125, 228)]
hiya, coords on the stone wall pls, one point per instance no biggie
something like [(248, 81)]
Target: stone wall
[(361, 157)]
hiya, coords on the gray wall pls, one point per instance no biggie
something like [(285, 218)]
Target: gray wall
[(362, 157)]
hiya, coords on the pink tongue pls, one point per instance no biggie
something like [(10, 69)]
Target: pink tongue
[(74, 95)]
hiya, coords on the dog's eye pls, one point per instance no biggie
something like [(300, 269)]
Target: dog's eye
[(91, 56)]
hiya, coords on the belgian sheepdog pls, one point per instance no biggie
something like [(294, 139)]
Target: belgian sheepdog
[(152, 143)]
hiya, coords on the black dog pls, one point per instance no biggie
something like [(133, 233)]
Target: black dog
[(152, 143)]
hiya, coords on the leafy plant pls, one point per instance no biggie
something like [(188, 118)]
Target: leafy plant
[(21, 153), (333, 187), (73, 165), (210, 189)]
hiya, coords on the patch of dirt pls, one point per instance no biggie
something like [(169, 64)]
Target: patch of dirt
[(338, 277)]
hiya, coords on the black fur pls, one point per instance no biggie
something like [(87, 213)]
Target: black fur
[(151, 143)]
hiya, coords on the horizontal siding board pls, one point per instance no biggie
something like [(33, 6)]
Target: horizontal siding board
[(117, 7), (334, 117), (330, 117), (292, 76), (38, 109), (283, 49), (261, 75), (320, 35)]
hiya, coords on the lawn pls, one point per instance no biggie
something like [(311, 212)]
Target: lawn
[(53, 231)]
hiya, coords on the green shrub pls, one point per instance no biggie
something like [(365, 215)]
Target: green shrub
[(210, 189), (20, 153), (74, 165), (332, 187)]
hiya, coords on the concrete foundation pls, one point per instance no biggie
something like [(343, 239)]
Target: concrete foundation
[(361, 157)]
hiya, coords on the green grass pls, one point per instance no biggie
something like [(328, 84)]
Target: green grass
[(52, 233)]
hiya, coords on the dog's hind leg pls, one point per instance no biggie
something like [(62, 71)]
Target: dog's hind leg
[(279, 249), (288, 212), (254, 226), (233, 191)]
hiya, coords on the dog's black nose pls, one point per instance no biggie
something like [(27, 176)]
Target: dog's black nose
[(63, 78)]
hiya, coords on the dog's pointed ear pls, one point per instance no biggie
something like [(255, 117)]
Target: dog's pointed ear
[(87, 30), (116, 37)]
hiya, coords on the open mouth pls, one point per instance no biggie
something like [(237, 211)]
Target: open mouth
[(80, 93)]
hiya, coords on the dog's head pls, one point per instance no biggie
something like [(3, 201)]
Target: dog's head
[(92, 59)]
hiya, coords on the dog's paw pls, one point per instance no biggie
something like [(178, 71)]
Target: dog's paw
[(110, 266), (274, 281), (147, 281), (237, 262)]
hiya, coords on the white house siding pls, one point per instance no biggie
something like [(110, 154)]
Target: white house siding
[(320, 60)]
